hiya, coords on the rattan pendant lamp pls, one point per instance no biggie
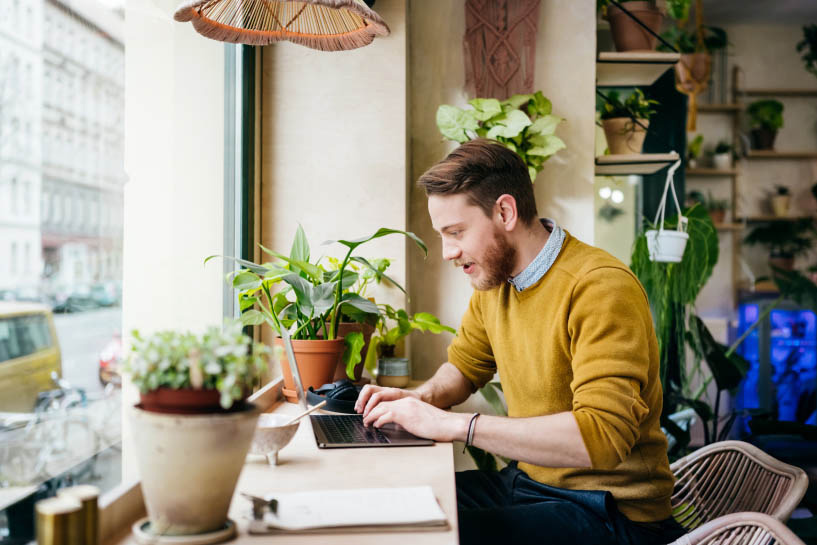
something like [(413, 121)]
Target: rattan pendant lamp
[(327, 25)]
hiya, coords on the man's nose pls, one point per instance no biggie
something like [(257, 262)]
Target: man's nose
[(450, 251)]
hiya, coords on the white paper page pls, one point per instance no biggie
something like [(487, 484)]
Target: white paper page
[(355, 507)]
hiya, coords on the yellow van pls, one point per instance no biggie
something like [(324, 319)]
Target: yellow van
[(29, 353)]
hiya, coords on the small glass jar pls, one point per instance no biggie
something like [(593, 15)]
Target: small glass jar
[(393, 372)]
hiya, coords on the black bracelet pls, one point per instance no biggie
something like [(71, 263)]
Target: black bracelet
[(469, 437)]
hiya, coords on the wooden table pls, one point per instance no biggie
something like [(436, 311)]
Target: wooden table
[(302, 466)]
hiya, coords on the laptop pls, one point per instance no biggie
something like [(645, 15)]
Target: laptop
[(348, 430)]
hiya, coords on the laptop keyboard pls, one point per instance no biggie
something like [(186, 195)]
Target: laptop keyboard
[(347, 429)]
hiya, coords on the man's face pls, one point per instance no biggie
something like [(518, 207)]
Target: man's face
[(473, 241)]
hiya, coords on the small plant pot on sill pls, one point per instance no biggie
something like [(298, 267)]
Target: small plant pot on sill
[(182, 401), (317, 361), (722, 161), (393, 372), (189, 466), (628, 35), (763, 139), (780, 205), (624, 135)]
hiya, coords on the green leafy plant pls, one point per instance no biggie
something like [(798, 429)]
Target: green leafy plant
[(311, 299), (695, 146), (807, 47), (787, 239), (225, 360), (722, 147), (393, 326), (635, 106), (709, 202), (523, 123), (766, 114), (781, 190)]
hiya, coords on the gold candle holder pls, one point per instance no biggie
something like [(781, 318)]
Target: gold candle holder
[(59, 521), (88, 496)]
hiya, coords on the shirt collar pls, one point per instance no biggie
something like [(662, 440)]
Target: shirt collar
[(544, 259)]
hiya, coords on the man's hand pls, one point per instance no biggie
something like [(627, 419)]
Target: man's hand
[(418, 417), (371, 395)]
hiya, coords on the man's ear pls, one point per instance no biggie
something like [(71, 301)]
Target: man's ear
[(506, 214)]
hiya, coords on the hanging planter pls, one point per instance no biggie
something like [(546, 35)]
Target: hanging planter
[(666, 245), (691, 78)]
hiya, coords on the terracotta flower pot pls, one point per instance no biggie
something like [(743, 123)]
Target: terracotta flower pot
[(628, 35), (181, 401), (717, 216), (624, 136), (189, 466), (317, 361), (344, 328), (763, 138)]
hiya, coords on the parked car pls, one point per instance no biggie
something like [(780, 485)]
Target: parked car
[(110, 362), (29, 353)]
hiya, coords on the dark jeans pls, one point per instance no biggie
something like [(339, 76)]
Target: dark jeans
[(510, 507)]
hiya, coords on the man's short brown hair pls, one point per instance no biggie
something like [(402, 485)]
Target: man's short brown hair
[(483, 170)]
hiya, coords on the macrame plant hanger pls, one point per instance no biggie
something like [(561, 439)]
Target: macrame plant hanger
[(693, 69), (327, 25)]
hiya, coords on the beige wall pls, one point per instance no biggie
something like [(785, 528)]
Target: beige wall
[(174, 140), (565, 72)]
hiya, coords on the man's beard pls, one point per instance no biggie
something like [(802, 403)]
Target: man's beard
[(497, 264)]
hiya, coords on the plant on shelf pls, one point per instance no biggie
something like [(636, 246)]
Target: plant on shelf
[(780, 201), (765, 118), (392, 327), (722, 156), (716, 208), (694, 148), (626, 121), (785, 239), (523, 123), (201, 380), (628, 35), (807, 47), (310, 304)]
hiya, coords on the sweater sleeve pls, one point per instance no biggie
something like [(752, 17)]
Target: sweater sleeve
[(610, 328), (470, 351)]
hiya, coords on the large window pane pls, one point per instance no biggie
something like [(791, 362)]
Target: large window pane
[(61, 181)]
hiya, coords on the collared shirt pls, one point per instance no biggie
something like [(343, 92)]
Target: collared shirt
[(544, 260)]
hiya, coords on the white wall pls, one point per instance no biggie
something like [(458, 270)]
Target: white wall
[(565, 72), (174, 140)]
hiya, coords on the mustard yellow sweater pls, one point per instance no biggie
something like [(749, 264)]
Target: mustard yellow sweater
[(581, 339)]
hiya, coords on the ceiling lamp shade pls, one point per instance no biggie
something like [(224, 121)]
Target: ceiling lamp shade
[(327, 25)]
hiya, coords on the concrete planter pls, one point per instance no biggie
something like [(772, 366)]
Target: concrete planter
[(189, 466)]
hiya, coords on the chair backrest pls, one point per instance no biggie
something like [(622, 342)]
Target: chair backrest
[(730, 477), (741, 529)]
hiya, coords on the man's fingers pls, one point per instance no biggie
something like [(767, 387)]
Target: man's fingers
[(362, 397), (384, 419), (373, 401)]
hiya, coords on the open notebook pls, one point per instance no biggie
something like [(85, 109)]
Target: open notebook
[(353, 510)]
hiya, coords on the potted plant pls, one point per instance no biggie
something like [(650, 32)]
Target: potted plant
[(666, 241), (716, 208), (785, 240), (765, 118), (310, 304), (392, 327), (192, 390), (780, 201), (808, 48), (523, 123), (628, 35), (694, 148), (625, 122), (722, 156)]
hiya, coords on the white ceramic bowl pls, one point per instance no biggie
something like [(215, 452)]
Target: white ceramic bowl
[(272, 434)]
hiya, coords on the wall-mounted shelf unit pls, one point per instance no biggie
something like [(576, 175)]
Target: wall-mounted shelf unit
[(719, 108), (636, 163), (632, 69), (711, 172), (781, 92), (772, 219), (729, 226), (774, 154)]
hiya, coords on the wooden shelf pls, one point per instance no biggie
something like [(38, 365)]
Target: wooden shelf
[(632, 69), (780, 92), (773, 154), (761, 219), (719, 108), (711, 172), (636, 163), (729, 226)]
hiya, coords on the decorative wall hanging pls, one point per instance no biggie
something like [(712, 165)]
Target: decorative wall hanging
[(500, 47), (327, 25)]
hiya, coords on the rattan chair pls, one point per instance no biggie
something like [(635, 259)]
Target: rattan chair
[(731, 477), (741, 529)]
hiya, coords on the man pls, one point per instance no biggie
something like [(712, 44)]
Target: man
[(568, 329)]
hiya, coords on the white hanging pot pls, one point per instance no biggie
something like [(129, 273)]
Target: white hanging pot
[(667, 246)]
